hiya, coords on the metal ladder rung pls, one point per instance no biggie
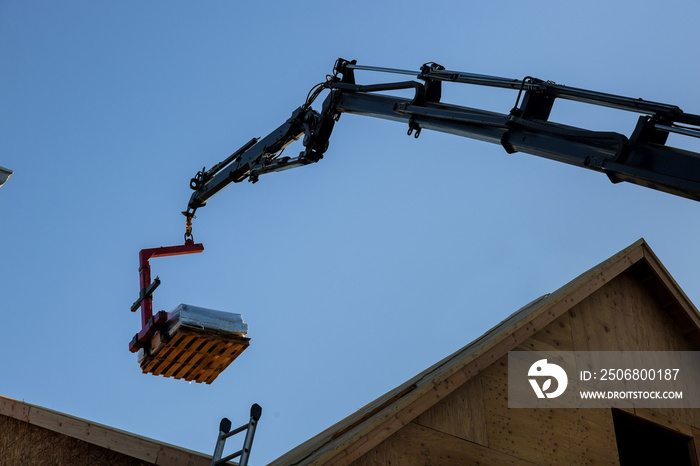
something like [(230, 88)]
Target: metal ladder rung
[(226, 432)]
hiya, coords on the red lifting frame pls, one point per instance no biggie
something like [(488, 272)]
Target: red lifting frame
[(149, 324)]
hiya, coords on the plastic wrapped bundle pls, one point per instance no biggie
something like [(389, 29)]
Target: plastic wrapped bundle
[(196, 344)]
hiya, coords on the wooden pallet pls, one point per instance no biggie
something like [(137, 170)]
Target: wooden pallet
[(192, 354)]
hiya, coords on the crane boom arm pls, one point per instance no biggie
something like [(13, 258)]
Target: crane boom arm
[(643, 158)]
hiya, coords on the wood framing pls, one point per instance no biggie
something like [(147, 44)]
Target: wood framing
[(33, 435), (456, 412), (192, 354)]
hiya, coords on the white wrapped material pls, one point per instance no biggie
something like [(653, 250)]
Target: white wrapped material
[(206, 319)]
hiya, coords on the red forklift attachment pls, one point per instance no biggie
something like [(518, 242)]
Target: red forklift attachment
[(190, 342)]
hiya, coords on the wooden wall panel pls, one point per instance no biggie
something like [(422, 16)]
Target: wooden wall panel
[(416, 445), (26, 444), (602, 322), (460, 414), (545, 436), (593, 436), (538, 435), (554, 337), (625, 315)]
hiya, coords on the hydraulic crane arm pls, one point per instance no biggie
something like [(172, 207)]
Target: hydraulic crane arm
[(642, 158)]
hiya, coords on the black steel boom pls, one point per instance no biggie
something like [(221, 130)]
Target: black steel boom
[(643, 158)]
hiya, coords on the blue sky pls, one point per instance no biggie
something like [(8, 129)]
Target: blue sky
[(353, 274)]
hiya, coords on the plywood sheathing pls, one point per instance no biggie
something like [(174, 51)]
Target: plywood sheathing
[(361, 432)]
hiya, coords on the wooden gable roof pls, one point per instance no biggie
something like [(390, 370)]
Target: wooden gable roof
[(357, 434), (141, 449)]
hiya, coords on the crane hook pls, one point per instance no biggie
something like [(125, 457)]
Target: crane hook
[(189, 239)]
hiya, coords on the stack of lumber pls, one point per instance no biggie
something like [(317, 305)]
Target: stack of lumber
[(196, 344)]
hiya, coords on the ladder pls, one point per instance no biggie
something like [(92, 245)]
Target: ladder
[(226, 432)]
